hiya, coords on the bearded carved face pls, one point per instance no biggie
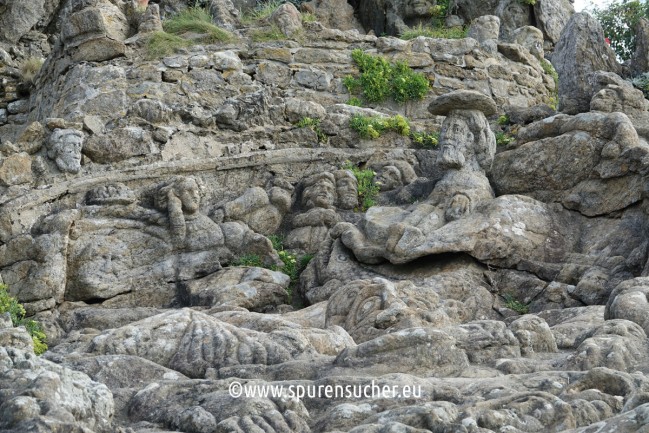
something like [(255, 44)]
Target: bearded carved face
[(320, 194), (190, 197), (455, 138)]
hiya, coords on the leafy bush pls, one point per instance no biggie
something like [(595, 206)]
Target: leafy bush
[(380, 80), (618, 20), (435, 32), (354, 101), (9, 304), (367, 189), (374, 127), (425, 139), (528, 2), (196, 20), (314, 125)]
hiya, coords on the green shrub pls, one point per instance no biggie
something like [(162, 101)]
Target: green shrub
[(435, 32), (373, 127), (196, 20), (314, 125), (528, 2), (367, 189), (272, 33), (380, 80), (619, 20), (503, 120), (513, 304), (503, 139), (425, 139), (161, 44), (9, 304)]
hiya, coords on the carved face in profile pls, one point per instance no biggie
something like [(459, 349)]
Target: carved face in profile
[(417, 9), (455, 137), (65, 149), (321, 193)]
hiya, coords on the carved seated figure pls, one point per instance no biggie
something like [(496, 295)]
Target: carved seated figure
[(401, 16), (321, 193), (467, 148)]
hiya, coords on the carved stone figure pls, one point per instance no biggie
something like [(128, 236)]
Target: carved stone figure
[(318, 197), (65, 149), (402, 16), (467, 148), (513, 14)]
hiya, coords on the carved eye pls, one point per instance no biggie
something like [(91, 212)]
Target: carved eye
[(366, 307)]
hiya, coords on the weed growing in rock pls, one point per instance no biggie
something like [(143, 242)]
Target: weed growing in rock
[(368, 190), (314, 125), (513, 304), (425, 139), (249, 260), (9, 304), (196, 20), (435, 32), (30, 68), (380, 80), (528, 2), (161, 44), (503, 120), (272, 33), (642, 82), (354, 101), (262, 11), (308, 17), (373, 127), (503, 139)]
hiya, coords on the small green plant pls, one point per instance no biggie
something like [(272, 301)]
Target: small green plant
[(528, 2), (642, 82), (503, 139), (549, 69), (9, 304), (553, 102), (373, 127), (249, 260), (308, 17), (380, 79), (196, 20), (262, 11), (425, 139), (513, 304), (161, 44), (314, 125), (503, 120), (368, 190), (29, 69), (434, 32), (354, 101), (272, 33)]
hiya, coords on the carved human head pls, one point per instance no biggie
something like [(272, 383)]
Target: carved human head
[(418, 8), (394, 174), (319, 191), (65, 149), (465, 138), (346, 189), (184, 188)]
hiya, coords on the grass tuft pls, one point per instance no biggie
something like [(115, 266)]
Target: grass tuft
[(29, 69), (435, 32), (161, 44), (196, 20)]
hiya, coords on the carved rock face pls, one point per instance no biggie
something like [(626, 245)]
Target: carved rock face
[(454, 138), (346, 189), (65, 149), (322, 193)]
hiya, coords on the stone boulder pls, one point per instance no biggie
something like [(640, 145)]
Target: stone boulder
[(17, 18), (580, 51), (552, 16), (640, 59)]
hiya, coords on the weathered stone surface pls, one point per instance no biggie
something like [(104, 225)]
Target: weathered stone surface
[(580, 51), (552, 16), (16, 169), (287, 19), (640, 59), (255, 289)]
